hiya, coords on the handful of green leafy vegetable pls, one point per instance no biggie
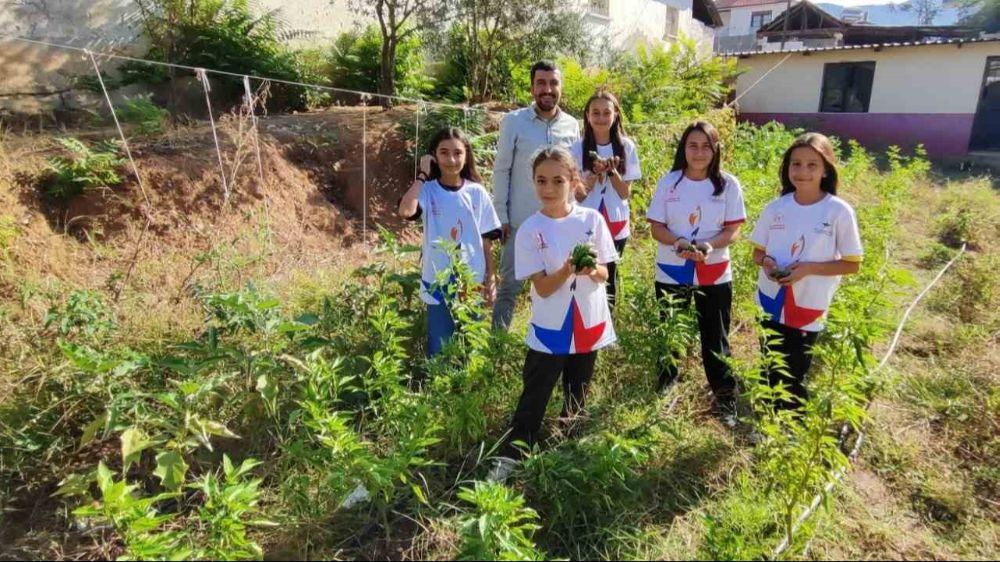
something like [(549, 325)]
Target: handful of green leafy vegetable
[(583, 257)]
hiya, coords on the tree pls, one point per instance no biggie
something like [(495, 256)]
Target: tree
[(926, 10), (491, 39), (983, 15), (398, 20)]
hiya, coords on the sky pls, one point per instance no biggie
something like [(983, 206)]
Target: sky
[(850, 3)]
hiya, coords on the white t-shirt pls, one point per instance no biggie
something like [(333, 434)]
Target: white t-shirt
[(462, 217), (604, 197), (576, 318), (790, 232), (690, 210)]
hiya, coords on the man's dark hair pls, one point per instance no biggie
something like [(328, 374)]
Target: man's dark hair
[(546, 65)]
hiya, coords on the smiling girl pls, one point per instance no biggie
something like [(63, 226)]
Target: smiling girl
[(609, 164), (803, 242), (456, 209), (695, 214), (570, 319)]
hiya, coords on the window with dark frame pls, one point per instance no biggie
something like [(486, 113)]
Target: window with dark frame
[(760, 19), (847, 87)]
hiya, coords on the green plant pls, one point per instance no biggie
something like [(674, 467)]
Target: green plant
[(86, 167), (354, 63), (84, 312), (501, 526), (583, 257), (147, 117), (225, 35), (229, 508), (135, 518)]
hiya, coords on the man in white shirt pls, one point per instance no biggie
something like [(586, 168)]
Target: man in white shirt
[(522, 133)]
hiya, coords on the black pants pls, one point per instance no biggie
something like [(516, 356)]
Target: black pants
[(541, 372), (612, 284), (713, 304), (796, 347)]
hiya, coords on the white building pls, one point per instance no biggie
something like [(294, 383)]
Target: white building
[(629, 23), (741, 20), (943, 94)]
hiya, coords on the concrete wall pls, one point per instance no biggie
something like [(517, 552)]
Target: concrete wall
[(923, 94), (99, 25)]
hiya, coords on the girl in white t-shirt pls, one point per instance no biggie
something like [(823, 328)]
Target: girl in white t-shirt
[(570, 319), (695, 214), (607, 179), (804, 241), (456, 209)]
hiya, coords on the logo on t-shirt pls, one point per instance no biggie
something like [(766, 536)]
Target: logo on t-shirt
[(541, 242), (458, 230), (798, 247), (694, 219), (434, 208), (778, 222), (825, 228)]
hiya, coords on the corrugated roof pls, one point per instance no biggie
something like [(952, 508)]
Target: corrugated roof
[(730, 4), (870, 46)]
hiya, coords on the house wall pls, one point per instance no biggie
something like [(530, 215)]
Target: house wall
[(908, 103), (737, 35), (634, 22), (739, 19)]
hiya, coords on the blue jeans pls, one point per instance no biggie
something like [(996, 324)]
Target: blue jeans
[(440, 328)]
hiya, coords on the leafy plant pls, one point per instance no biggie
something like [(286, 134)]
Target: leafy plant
[(501, 526), (147, 117), (86, 167)]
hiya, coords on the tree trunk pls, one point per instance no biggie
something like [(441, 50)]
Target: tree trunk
[(387, 83)]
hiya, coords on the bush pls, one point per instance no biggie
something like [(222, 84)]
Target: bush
[(655, 84), (148, 118), (355, 59), (221, 35), (85, 168)]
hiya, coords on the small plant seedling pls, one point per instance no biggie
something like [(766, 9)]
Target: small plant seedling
[(606, 162), (583, 257), (781, 273)]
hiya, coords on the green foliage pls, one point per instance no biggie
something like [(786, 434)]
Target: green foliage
[(355, 62), (86, 167), (983, 15), (225, 509), (491, 44), (660, 84), (361, 433), (84, 313), (222, 35), (501, 526), (147, 117)]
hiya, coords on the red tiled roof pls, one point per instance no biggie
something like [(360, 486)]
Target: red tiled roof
[(730, 4)]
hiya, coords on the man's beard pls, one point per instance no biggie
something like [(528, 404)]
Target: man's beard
[(546, 102)]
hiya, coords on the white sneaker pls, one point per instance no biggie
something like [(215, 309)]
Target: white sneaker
[(358, 496), (503, 467)]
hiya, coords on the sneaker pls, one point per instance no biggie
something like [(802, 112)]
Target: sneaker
[(726, 413), (503, 467)]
